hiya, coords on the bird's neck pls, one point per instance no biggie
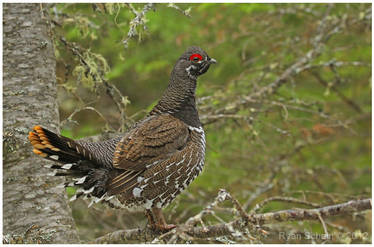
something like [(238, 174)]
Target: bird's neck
[(179, 100)]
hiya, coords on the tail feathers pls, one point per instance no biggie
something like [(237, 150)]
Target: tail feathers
[(88, 180), (74, 161), (57, 148), (91, 183)]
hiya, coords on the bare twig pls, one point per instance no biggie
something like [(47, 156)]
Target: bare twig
[(70, 118), (257, 193), (284, 199), (323, 224), (279, 163), (185, 12), (139, 20), (222, 196), (253, 221), (334, 63), (333, 87), (312, 214)]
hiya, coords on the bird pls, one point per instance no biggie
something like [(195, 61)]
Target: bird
[(150, 164)]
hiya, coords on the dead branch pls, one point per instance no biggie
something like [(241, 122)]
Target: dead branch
[(283, 199), (240, 226), (346, 208), (139, 20), (70, 118)]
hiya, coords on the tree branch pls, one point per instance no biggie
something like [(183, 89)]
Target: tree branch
[(254, 222), (333, 87), (113, 92), (312, 214), (284, 199), (324, 32), (139, 20)]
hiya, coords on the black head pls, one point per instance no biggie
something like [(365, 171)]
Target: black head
[(195, 61), (179, 97)]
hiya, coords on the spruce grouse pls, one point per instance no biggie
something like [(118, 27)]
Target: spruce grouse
[(149, 165)]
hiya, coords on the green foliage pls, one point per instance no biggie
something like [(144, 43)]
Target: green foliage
[(70, 191)]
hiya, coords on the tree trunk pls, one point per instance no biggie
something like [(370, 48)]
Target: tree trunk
[(34, 209)]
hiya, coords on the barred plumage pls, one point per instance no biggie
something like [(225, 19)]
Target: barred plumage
[(152, 163)]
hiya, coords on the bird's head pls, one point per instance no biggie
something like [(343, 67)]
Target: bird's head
[(195, 62), (179, 97)]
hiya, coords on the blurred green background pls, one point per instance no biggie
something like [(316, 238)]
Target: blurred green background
[(310, 140)]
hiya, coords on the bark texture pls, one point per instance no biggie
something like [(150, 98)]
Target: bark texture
[(34, 209)]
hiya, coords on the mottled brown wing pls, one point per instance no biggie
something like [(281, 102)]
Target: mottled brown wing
[(153, 140)]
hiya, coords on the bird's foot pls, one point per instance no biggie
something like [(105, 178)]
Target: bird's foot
[(161, 228), (166, 227), (159, 224)]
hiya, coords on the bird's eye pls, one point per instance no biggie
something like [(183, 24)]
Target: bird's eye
[(196, 57)]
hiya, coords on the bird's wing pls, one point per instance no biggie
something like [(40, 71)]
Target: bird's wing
[(150, 142), (153, 140)]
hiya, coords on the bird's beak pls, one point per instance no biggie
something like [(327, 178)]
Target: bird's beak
[(212, 60)]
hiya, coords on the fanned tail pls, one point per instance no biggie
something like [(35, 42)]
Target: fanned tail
[(56, 147), (73, 159)]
